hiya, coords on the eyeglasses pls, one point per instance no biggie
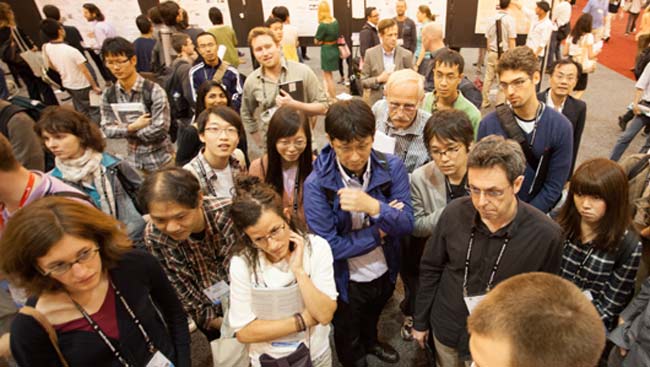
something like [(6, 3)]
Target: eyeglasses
[(114, 63), (516, 84), (492, 193), (406, 107), (59, 269), (274, 235), (298, 144), (568, 78), (449, 152), (229, 131), (206, 45)]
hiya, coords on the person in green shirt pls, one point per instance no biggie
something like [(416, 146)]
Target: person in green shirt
[(225, 36), (447, 75)]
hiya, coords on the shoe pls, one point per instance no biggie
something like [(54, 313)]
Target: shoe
[(407, 327), (622, 123), (306, 57), (384, 352)]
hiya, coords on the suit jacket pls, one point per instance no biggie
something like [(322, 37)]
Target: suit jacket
[(368, 38), (575, 111), (373, 66)]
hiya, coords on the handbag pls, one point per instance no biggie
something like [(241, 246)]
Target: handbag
[(49, 329), (227, 350), (344, 50), (33, 58), (301, 357)]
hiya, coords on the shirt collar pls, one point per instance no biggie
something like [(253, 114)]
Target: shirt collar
[(283, 64), (347, 180), (505, 232), (390, 54), (549, 101), (138, 86)]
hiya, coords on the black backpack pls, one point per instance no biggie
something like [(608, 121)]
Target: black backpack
[(179, 106)]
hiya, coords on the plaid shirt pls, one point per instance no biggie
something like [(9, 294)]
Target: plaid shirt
[(192, 265), (149, 148), (207, 176), (610, 284)]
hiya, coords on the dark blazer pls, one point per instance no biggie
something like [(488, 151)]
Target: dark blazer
[(575, 111), (373, 66), (368, 38)]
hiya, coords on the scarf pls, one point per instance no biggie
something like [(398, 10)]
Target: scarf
[(87, 170)]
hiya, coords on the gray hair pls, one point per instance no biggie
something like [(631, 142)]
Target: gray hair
[(495, 150), (405, 76)]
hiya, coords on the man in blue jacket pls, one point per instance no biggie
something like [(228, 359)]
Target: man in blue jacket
[(359, 200), (546, 135)]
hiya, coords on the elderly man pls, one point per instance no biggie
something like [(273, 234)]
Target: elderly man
[(399, 117), (500, 237), (382, 60)]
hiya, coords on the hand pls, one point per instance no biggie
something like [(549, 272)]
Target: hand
[(383, 77), (215, 324), (5, 351), (620, 321), (396, 204), (309, 319), (420, 337), (355, 200), (296, 258), (636, 109), (284, 99), (97, 89), (143, 121), (622, 352), (645, 232)]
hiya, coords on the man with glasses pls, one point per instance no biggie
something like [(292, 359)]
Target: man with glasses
[(478, 242), (359, 201), (564, 76), (213, 68), (545, 135), (382, 60), (399, 117), (149, 144), (448, 74)]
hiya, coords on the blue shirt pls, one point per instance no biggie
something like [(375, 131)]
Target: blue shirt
[(598, 10), (202, 72), (143, 51)]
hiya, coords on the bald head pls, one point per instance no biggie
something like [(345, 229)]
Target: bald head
[(432, 38)]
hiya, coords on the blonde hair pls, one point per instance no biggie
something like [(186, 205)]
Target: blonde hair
[(324, 12), (404, 76)]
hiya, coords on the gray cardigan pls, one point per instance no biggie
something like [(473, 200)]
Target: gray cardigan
[(634, 334), (429, 198)]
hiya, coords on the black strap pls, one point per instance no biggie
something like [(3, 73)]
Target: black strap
[(499, 37), (468, 256), (634, 171), (509, 125), (5, 115)]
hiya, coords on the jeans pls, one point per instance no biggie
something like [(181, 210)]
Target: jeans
[(628, 135), (81, 102), (631, 22)]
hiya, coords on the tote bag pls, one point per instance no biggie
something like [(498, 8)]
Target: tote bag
[(33, 58)]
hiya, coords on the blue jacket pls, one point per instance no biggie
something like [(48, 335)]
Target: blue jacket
[(554, 132), (329, 221)]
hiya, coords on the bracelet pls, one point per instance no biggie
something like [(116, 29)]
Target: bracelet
[(300, 322)]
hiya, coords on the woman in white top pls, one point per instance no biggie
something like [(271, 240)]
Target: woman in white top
[(102, 29), (580, 48), (276, 253)]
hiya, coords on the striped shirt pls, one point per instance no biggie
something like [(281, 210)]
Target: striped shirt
[(609, 281), (193, 265), (148, 148)]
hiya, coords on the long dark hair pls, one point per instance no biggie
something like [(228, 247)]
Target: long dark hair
[(94, 10), (604, 179), (582, 26), (203, 90), (286, 122), (251, 200)]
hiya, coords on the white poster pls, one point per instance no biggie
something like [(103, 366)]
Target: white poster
[(303, 13), (487, 9), (120, 13), (386, 9), (197, 11)]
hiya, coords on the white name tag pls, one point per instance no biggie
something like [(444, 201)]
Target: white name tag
[(216, 291), (159, 360), (588, 295), (473, 301)]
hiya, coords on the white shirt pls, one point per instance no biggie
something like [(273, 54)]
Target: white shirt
[(318, 263), (644, 83), (549, 103), (103, 30), (562, 13), (526, 125), (224, 182), (539, 34), (372, 265), (389, 59), (68, 61)]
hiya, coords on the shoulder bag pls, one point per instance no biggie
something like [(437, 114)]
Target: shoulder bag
[(344, 50), (33, 58), (49, 329)]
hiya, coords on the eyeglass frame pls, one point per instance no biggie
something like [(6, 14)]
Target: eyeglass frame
[(117, 63), (517, 84), (406, 107), (449, 152), (230, 131), (490, 194), (262, 241), (84, 258)]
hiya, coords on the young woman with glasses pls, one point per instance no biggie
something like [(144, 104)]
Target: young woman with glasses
[(275, 253), (109, 305), (288, 158)]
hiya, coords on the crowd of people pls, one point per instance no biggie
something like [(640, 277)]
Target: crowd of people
[(223, 233)]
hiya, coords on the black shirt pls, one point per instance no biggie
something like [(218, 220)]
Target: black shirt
[(535, 244)]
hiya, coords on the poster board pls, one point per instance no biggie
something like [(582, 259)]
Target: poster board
[(303, 14), (487, 9), (386, 9), (113, 10), (197, 11)]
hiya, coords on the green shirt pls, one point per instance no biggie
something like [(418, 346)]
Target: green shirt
[(461, 104), (226, 36)]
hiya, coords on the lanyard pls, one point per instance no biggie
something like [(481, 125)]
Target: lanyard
[(282, 73), (28, 189), (494, 268), (450, 192), (296, 188), (208, 184), (102, 178), (538, 116), (152, 349)]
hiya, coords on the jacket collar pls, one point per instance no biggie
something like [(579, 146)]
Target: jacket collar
[(330, 176)]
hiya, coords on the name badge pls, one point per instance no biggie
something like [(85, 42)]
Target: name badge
[(588, 295), (159, 360), (216, 291), (472, 301)]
